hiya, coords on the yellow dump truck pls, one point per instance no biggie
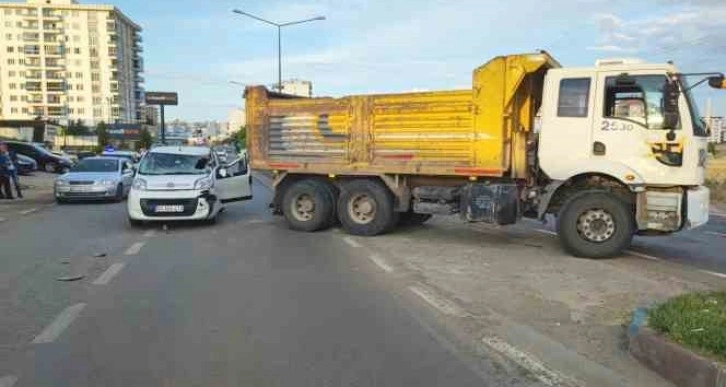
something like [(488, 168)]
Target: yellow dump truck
[(612, 151)]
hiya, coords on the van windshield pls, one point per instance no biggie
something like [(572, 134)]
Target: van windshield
[(174, 164)]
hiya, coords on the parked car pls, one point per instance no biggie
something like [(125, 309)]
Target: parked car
[(46, 160), (185, 183), (26, 165), (95, 178), (68, 156)]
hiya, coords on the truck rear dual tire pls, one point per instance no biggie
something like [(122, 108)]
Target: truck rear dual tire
[(366, 208), (595, 224), (309, 205)]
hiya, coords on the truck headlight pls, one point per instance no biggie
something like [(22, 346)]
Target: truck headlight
[(139, 184), (203, 183)]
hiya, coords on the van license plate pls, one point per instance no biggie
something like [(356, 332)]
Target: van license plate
[(169, 208)]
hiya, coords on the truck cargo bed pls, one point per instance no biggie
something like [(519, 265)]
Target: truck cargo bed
[(476, 132)]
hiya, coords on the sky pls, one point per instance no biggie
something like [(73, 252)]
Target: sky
[(367, 46)]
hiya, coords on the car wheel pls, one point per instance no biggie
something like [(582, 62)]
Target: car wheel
[(50, 167), (119, 197), (61, 201)]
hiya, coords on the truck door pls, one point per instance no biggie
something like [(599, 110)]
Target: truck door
[(233, 181), (629, 125)]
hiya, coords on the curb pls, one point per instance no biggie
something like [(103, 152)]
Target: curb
[(671, 361)]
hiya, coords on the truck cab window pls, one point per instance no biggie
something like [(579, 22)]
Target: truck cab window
[(638, 99), (574, 97)]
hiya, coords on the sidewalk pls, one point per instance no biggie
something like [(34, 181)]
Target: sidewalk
[(37, 193)]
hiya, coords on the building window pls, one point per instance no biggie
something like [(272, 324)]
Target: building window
[(80, 99), (574, 97), (81, 111), (13, 98), (77, 51), (76, 38), (21, 61), (95, 77), (97, 112), (11, 61), (8, 37), (25, 110), (24, 98), (79, 75), (96, 100), (94, 65), (8, 11), (79, 86), (19, 24), (11, 73), (77, 62), (14, 110), (96, 88), (71, 99), (70, 86), (12, 86), (9, 24), (72, 111)]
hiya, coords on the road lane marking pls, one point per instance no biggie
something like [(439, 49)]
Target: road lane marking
[(543, 231), (380, 262), (720, 275), (108, 275), (63, 321), (716, 233), (150, 233), (526, 361), (135, 248), (643, 255), (352, 242), (8, 381), (28, 211), (440, 303)]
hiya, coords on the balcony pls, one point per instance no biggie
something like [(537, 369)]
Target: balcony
[(34, 76), (59, 51), (138, 38), (29, 37), (55, 86), (113, 42), (55, 76), (54, 63), (31, 26), (52, 27), (31, 15), (52, 16), (139, 79), (56, 112), (33, 86), (33, 63), (138, 48)]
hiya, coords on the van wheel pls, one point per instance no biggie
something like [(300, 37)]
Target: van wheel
[(365, 208), (595, 224), (308, 205), (119, 197)]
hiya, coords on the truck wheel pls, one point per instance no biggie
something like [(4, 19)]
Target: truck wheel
[(308, 206), (412, 219), (366, 208), (595, 225)]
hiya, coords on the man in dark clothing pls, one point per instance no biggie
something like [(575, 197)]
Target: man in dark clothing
[(6, 172)]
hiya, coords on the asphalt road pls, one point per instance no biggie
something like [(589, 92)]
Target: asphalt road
[(245, 302)]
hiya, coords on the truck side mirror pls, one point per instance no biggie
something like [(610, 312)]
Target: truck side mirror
[(717, 82), (671, 94)]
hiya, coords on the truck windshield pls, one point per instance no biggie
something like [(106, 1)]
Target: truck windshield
[(699, 129)]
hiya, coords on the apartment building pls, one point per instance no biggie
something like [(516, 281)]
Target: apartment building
[(62, 60)]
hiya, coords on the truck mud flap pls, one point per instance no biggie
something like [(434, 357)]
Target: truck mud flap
[(490, 203)]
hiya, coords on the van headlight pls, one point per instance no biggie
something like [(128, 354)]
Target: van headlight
[(139, 184), (203, 183)]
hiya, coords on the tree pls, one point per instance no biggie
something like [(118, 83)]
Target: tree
[(102, 133), (146, 139), (241, 137)]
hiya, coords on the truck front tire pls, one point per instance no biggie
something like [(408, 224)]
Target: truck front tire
[(308, 205), (595, 225), (365, 208)]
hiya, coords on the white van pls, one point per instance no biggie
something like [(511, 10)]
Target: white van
[(185, 183)]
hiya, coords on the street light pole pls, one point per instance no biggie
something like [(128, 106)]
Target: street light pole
[(279, 37)]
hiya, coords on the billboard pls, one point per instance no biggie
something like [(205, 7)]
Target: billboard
[(124, 131), (161, 98)]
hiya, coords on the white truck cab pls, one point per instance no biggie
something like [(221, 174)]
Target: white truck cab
[(185, 183), (632, 123)]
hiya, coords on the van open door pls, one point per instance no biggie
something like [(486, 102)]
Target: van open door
[(234, 181)]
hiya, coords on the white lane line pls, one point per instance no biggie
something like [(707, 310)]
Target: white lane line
[(135, 248), (63, 321), (380, 262), (108, 275), (543, 231), (526, 361), (440, 303), (8, 381), (720, 275), (352, 242), (149, 233), (643, 255), (716, 233), (28, 211)]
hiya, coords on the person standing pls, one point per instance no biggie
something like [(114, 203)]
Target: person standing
[(14, 170), (5, 172)]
